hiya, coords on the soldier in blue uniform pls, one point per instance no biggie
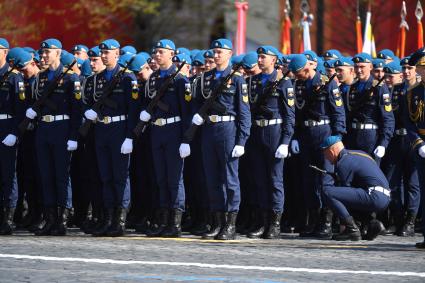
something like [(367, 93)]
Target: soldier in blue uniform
[(378, 68), (344, 68), (224, 135), (361, 185), (56, 137), (80, 51), (166, 136), (370, 119), (320, 113), (273, 116), (113, 137), (387, 55), (415, 124)]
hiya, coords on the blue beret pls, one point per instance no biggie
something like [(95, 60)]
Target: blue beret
[(124, 59), (329, 141), (268, 50), (329, 63), (194, 52), (4, 44), (237, 59), (378, 63), (182, 58), (22, 59), (29, 49), (344, 61), (311, 55), (51, 43), (11, 55), (145, 54), (287, 58), (298, 61), (321, 68), (36, 57), (209, 54), (405, 61), (333, 53), (280, 59), (223, 43), (417, 58), (80, 47), (183, 50), (362, 58), (86, 68), (109, 44), (94, 52), (128, 49), (66, 58), (393, 68), (165, 43), (198, 60), (385, 54), (250, 60), (80, 62), (138, 62)]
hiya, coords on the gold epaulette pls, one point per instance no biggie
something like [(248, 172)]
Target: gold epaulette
[(324, 79), (375, 83), (238, 74), (15, 71)]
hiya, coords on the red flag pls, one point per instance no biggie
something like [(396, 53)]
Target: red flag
[(286, 35), (242, 8), (401, 43), (359, 35)]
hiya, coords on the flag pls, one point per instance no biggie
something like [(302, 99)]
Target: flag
[(359, 35), (306, 34), (419, 14), (369, 39), (401, 42), (286, 35)]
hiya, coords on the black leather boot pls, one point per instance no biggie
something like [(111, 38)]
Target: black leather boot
[(273, 229), (408, 229), (262, 219), (253, 221), (174, 229), (228, 232), (351, 232), (106, 223), (61, 225), (374, 228), (50, 218), (313, 222), (324, 230), (7, 223), (158, 228), (218, 220), (117, 228)]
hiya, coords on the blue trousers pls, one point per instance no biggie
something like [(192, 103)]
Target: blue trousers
[(221, 169), (268, 170), (53, 159), (366, 140), (113, 165), (8, 182), (168, 165)]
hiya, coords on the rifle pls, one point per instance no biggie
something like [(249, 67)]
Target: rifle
[(209, 103), (4, 78), (311, 99), (104, 99), (156, 101), (44, 98), (333, 175)]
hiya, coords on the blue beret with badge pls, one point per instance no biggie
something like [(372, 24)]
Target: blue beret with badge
[(417, 58), (51, 43), (94, 52), (362, 58), (333, 53), (268, 50), (378, 63), (138, 62), (385, 54), (193, 53), (404, 61), (222, 43), (80, 47), (29, 49), (179, 58), (183, 50), (67, 58), (298, 62), (311, 55), (109, 44), (209, 54), (22, 59), (128, 49), (166, 44), (393, 68), (4, 44), (330, 141), (198, 60), (250, 60), (86, 69), (330, 64), (344, 62)]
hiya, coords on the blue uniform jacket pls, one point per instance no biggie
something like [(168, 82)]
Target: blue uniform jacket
[(415, 118)]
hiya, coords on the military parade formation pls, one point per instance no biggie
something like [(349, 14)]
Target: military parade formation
[(205, 142)]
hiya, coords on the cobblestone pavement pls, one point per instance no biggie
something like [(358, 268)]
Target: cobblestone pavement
[(135, 258)]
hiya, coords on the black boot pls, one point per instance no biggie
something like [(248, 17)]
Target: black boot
[(351, 232), (313, 222), (408, 229), (50, 218), (253, 221), (325, 226), (117, 228), (228, 232), (218, 219), (174, 229), (374, 228), (273, 230), (7, 224), (38, 221), (61, 225), (258, 231), (106, 223), (202, 226), (158, 228)]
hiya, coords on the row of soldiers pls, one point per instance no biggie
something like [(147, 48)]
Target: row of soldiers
[(119, 126)]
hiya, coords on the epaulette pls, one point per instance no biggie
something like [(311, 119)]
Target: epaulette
[(323, 79), (15, 71), (128, 71), (375, 83), (70, 72), (238, 74)]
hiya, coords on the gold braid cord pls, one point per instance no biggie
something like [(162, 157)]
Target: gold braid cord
[(419, 113)]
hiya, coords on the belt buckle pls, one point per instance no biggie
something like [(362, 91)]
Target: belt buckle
[(160, 122), (106, 120), (214, 118), (310, 123), (263, 123), (48, 118)]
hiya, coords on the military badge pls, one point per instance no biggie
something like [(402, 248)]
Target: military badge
[(77, 90), (21, 91)]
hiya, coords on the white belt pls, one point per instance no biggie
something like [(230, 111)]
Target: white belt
[(401, 132), (5, 116), (52, 118), (361, 126), (162, 121), (218, 118), (313, 123), (265, 123), (381, 190), (109, 119)]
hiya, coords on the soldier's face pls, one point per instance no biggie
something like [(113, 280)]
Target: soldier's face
[(109, 57), (3, 54), (96, 64), (81, 54), (266, 62), (363, 70), (302, 74), (393, 79), (409, 72), (163, 56), (378, 73), (50, 56), (221, 56), (209, 64), (29, 70), (145, 73), (345, 74)]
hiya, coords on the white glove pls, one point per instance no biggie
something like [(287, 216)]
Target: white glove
[(127, 146), (238, 151), (9, 140), (379, 151), (421, 151), (72, 145), (184, 150), (90, 114), (197, 119), (295, 147), (145, 116), (31, 114), (282, 151)]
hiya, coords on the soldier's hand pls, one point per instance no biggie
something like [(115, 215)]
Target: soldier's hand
[(197, 119), (379, 151), (72, 145), (9, 140), (184, 150), (282, 151), (127, 146), (421, 151), (30, 113), (145, 116), (90, 114), (295, 147), (238, 151)]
